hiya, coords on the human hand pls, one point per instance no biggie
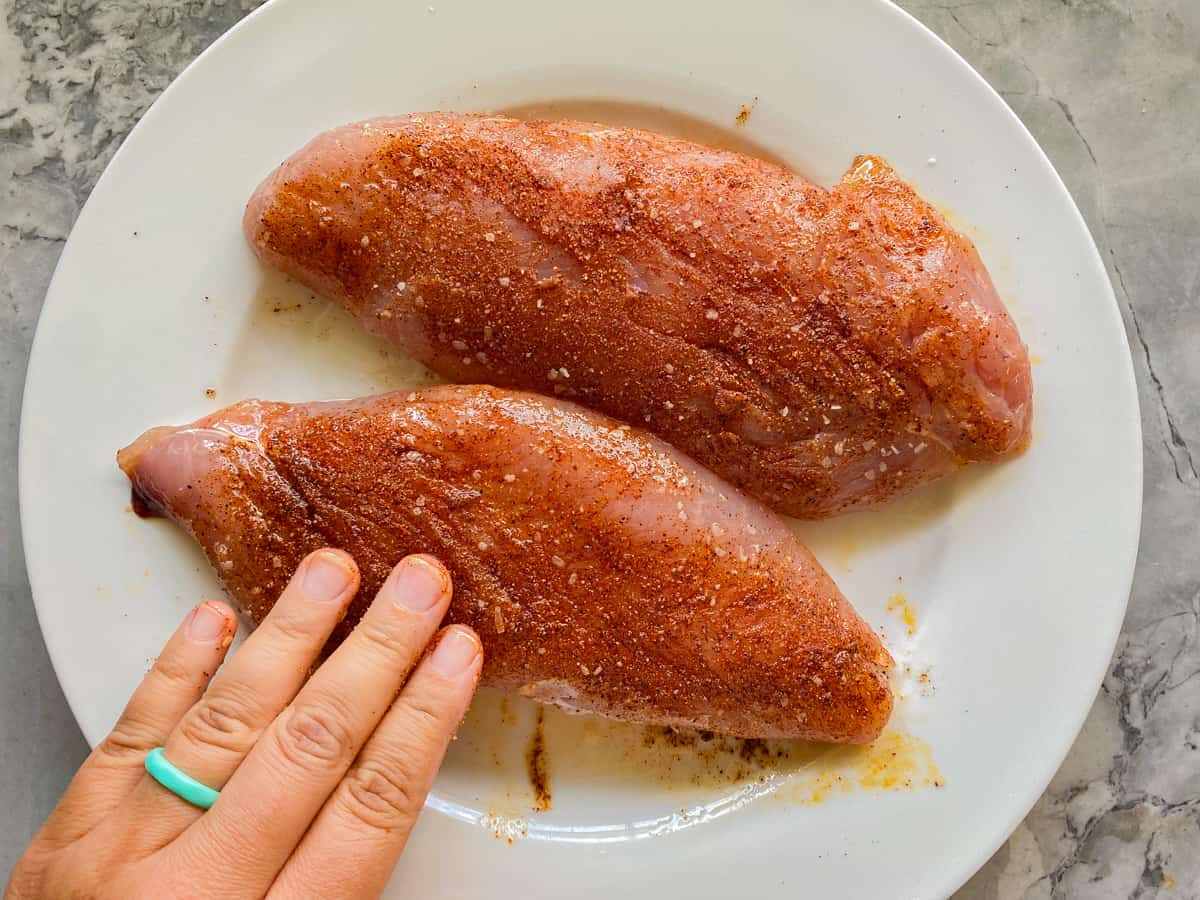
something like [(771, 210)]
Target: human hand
[(321, 779)]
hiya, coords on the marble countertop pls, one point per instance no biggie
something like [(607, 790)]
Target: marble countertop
[(1111, 90)]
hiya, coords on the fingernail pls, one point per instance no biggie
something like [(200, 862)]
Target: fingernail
[(207, 623), (455, 652), (417, 584), (327, 575)]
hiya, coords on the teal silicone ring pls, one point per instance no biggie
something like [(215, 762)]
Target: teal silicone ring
[(179, 783)]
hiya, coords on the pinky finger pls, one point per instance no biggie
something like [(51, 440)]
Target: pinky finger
[(356, 839), (171, 687)]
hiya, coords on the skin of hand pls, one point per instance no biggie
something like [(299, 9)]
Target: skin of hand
[(321, 777)]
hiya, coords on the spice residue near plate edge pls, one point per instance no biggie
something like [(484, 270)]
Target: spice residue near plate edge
[(899, 605), (537, 764), (520, 754)]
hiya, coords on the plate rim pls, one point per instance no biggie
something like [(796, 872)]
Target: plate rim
[(1112, 310)]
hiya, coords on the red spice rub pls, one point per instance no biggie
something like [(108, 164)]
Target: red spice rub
[(603, 570), (823, 350)]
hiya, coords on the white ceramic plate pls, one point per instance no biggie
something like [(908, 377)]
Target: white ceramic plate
[(1018, 576)]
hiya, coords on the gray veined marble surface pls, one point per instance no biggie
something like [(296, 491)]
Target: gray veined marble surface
[(1111, 90)]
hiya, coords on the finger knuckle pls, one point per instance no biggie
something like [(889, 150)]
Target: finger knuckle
[(314, 735), (175, 673), (222, 720), (287, 630), (128, 742), (381, 799), (389, 641), (427, 717)]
